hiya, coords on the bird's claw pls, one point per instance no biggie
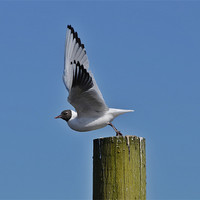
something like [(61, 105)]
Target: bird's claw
[(118, 133)]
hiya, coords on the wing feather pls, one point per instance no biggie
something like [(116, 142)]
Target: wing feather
[(84, 93)]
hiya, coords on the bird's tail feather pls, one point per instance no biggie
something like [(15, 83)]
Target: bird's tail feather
[(117, 112)]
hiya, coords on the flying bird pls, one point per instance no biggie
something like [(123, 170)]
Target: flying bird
[(84, 95)]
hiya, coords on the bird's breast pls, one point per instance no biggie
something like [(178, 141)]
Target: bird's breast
[(88, 124)]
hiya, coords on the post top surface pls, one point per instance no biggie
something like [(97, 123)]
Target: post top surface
[(133, 137)]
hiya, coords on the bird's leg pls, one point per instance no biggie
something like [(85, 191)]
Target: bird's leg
[(118, 133)]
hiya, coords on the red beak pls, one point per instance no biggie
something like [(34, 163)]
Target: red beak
[(59, 116)]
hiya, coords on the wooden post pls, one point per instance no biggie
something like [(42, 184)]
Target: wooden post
[(119, 168)]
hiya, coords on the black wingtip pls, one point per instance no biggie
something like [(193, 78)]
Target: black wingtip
[(69, 27), (75, 35)]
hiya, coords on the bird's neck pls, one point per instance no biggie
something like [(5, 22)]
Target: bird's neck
[(74, 114)]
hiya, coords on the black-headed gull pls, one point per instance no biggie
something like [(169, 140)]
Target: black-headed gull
[(84, 95)]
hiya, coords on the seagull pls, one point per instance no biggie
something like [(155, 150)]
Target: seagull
[(84, 95)]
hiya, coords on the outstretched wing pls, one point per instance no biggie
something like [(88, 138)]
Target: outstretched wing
[(84, 93)]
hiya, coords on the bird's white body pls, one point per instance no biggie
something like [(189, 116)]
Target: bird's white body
[(83, 124)]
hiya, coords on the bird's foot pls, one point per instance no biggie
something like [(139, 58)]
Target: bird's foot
[(118, 133)]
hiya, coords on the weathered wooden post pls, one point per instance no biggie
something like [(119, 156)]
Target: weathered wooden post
[(119, 168)]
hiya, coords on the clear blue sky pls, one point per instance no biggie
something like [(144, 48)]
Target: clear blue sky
[(144, 56)]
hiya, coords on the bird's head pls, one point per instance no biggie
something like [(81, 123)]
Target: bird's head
[(65, 115)]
